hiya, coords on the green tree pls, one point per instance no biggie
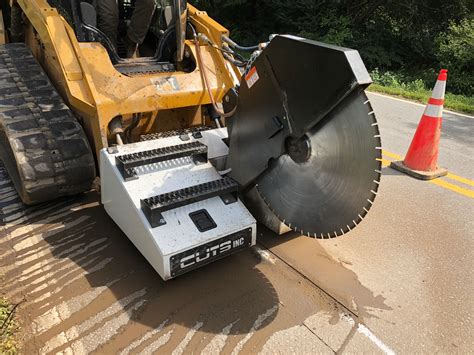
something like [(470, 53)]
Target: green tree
[(456, 52), (410, 37)]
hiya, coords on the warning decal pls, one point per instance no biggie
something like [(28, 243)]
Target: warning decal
[(166, 84), (252, 77)]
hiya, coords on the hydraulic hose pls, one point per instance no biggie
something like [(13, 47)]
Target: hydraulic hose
[(224, 51), (163, 39), (233, 61), (206, 81), (236, 46)]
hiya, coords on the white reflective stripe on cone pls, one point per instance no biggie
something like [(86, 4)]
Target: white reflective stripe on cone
[(439, 89), (434, 110)]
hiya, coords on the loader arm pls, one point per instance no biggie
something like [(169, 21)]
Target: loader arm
[(3, 33)]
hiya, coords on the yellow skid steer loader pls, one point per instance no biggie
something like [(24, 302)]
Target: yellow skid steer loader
[(192, 141)]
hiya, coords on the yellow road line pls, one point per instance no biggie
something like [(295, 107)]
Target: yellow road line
[(391, 155), (452, 187), (439, 182), (449, 176), (460, 179), (385, 162)]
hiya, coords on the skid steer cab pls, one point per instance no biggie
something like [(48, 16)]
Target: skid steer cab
[(164, 29), (193, 142)]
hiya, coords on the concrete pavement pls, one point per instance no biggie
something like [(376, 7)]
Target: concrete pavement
[(400, 282), (407, 270)]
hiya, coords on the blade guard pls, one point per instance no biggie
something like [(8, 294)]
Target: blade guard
[(291, 86)]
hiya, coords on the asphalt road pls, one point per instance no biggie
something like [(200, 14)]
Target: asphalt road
[(400, 282)]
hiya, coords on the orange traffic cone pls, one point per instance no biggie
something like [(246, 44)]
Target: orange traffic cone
[(422, 156)]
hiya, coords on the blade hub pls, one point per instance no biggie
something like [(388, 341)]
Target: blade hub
[(299, 149)]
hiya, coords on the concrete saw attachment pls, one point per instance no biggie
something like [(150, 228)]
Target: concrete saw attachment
[(304, 137), (302, 149), (169, 199)]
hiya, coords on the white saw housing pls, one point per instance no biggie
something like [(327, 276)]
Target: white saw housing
[(192, 219)]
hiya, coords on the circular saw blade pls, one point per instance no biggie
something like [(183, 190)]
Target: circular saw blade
[(326, 191)]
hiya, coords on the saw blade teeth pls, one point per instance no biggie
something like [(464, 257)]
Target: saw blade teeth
[(323, 226)]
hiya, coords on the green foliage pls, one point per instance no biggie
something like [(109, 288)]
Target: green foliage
[(413, 37), (8, 327), (400, 85), (334, 29), (397, 80), (456, 52)]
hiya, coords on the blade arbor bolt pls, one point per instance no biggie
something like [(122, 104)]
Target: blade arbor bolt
[(299, 149)]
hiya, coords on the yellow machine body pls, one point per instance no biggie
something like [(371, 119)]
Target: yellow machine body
[(301, 132), (97, 93)]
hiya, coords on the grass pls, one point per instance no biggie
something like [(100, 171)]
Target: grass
[(8, 328), (453, 102), (416, 89)]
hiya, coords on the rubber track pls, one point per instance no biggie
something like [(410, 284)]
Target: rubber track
[(43, 146)]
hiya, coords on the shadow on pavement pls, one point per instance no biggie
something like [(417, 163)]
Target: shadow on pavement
[(387, 171), (87, 245)]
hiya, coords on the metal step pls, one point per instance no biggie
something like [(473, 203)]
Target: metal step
[(127, 163), (152, 207), (196, 132)]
